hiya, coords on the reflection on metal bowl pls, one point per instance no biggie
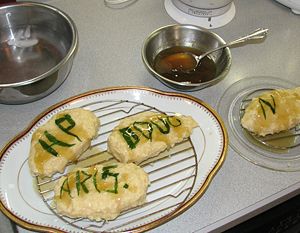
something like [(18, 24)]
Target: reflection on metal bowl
[(37, 46)]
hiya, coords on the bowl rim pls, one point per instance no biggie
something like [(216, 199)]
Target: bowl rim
[(72, 51), (184, 84)]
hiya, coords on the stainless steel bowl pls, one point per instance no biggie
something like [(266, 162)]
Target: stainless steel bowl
[(187, 36), (38, 43)]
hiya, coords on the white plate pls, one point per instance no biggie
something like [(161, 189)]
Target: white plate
[(177, 181)]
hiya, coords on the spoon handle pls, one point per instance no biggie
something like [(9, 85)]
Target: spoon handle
[(259, 33)]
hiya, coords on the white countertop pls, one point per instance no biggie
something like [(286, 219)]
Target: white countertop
[(109, 54)]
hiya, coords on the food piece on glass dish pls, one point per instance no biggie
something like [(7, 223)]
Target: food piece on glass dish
[(146, 134), (272, 112), (101, 192), (62, 140)]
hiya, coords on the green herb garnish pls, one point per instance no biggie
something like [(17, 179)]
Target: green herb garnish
[(106, 173), (80, 183), (174, 121), (67, 118), (272, 107), (54, 141), (162, 125), (63, 189), (115, 190), (125, 186), (145, 128), (95, 181), (109, 167), (130, 137), (48, 148)]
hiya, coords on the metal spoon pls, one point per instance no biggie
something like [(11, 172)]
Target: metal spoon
[(259, 33)]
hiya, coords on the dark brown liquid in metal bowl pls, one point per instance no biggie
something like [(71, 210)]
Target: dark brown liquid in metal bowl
[(174, 65), (19, 64)]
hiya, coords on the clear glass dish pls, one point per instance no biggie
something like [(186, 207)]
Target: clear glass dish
[(229, 107)]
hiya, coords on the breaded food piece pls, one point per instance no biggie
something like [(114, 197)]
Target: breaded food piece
[(62, 140), (101, 192), (146, 134), (273, 112)]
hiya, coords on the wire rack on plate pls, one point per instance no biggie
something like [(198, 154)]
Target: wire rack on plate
[(172, 174)]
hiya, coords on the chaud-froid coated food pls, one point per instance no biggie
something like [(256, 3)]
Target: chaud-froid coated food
[(145, 135), (101, 192), (272, 112), (61, 140)]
